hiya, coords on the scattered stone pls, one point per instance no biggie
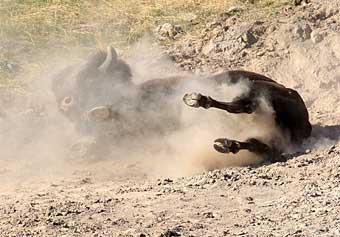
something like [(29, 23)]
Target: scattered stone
[(193, 19), (317, 36), (301, 2), (208, 48), (9, 66), (247, 210), (208, 215), (176, 231), (235, 9), (302, 31), (168, 31), (331, 149), (249, 198)]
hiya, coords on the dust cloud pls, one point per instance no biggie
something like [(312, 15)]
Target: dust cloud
[(35, 138), (187, 147), (190, 148), (37, 141)]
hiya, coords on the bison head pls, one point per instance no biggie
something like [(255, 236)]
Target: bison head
[(85, 89)]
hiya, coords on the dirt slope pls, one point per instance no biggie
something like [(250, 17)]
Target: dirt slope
[(300, 197)]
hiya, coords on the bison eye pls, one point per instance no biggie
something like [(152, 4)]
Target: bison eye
[(68, 100), (66, 104)]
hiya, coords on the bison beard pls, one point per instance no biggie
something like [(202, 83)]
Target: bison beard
[(93, 93)]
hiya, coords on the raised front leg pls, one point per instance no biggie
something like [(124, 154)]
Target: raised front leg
[(196, 100), (225, 145)]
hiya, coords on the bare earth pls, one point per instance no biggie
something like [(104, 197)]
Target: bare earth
[(120, 197)]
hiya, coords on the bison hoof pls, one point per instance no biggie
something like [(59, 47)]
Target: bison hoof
[(224, 145), (197, 100), (192, 99), (100, 113)]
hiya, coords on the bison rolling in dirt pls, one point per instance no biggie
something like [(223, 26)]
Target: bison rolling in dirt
[(100, 97), (291, 115)]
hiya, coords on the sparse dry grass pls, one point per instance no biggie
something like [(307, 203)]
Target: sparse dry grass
[(123, 21), (40, 24)]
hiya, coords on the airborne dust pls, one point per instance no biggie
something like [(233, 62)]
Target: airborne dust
[(38, 142)]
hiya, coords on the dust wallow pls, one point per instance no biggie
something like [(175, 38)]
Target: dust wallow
[(103, 101)]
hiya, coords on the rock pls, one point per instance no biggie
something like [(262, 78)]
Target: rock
[(317, 36), (166, 29), (330, 11), (172, 232), (9, 66), (235, 9), (208, 215), (301, 2), (247, 210), (250, 200), (193, 19), (249, 38), (302, 31), (331, 149), (208, 48), (169, 31), (321, 14), (260, 53)]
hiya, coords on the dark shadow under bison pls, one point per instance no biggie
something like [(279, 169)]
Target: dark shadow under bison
[(91, 95)]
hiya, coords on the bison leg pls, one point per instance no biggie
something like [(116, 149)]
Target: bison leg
[(225, 145), (196, 100)]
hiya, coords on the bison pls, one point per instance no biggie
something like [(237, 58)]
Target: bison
[(291, 114), (102, 99)]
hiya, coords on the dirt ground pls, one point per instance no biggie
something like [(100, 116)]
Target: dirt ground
[(124, 197)]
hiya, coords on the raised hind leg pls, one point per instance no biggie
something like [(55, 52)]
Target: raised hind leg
[(240, 105), (254, 145)]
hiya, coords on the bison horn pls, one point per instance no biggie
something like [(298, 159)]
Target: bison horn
[(110, 56), (100, 113)]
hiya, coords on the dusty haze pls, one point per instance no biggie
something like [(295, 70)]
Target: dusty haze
[(37, 141)]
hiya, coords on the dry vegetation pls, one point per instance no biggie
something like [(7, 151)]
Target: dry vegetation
[(29, 27)]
